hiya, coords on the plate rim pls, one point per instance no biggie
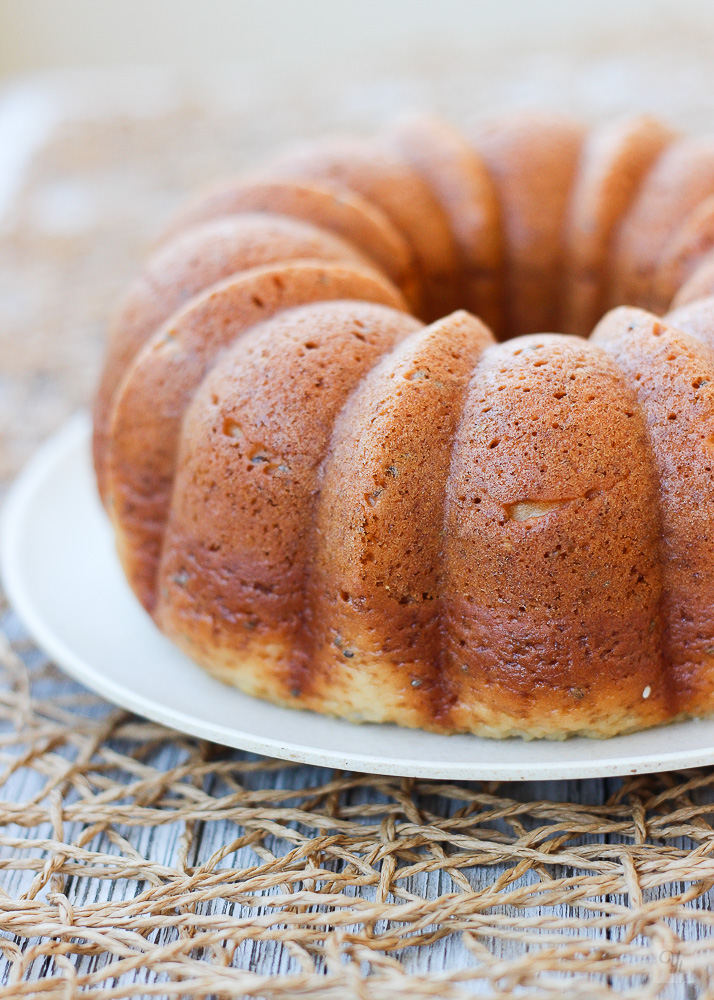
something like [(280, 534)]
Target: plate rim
[(58, 449)]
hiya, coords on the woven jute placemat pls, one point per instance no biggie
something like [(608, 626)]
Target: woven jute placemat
[(137, 862)]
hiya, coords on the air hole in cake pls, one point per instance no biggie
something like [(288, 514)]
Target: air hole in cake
[(524, 510), (232, 429)]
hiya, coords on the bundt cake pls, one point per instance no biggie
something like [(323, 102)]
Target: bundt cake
[(349, 471)]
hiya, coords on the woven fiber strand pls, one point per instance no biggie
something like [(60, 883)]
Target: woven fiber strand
[(136, 862)]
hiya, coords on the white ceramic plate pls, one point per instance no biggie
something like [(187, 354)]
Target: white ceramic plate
[(63, 577)]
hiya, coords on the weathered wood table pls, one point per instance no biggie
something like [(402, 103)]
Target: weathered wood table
[(134, 861)]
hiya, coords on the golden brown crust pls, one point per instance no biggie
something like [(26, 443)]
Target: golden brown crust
[(376, 587), (679, 180), (359, 165), (532, 159), (672, 374), (344, 213), (187, 265), (240, 535), (691, 242), (460, 181), (696, 318), (614, 160), (551, 546), (149, 408), (699, 286)]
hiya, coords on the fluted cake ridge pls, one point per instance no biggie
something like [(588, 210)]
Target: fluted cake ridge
[(350, 468)]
